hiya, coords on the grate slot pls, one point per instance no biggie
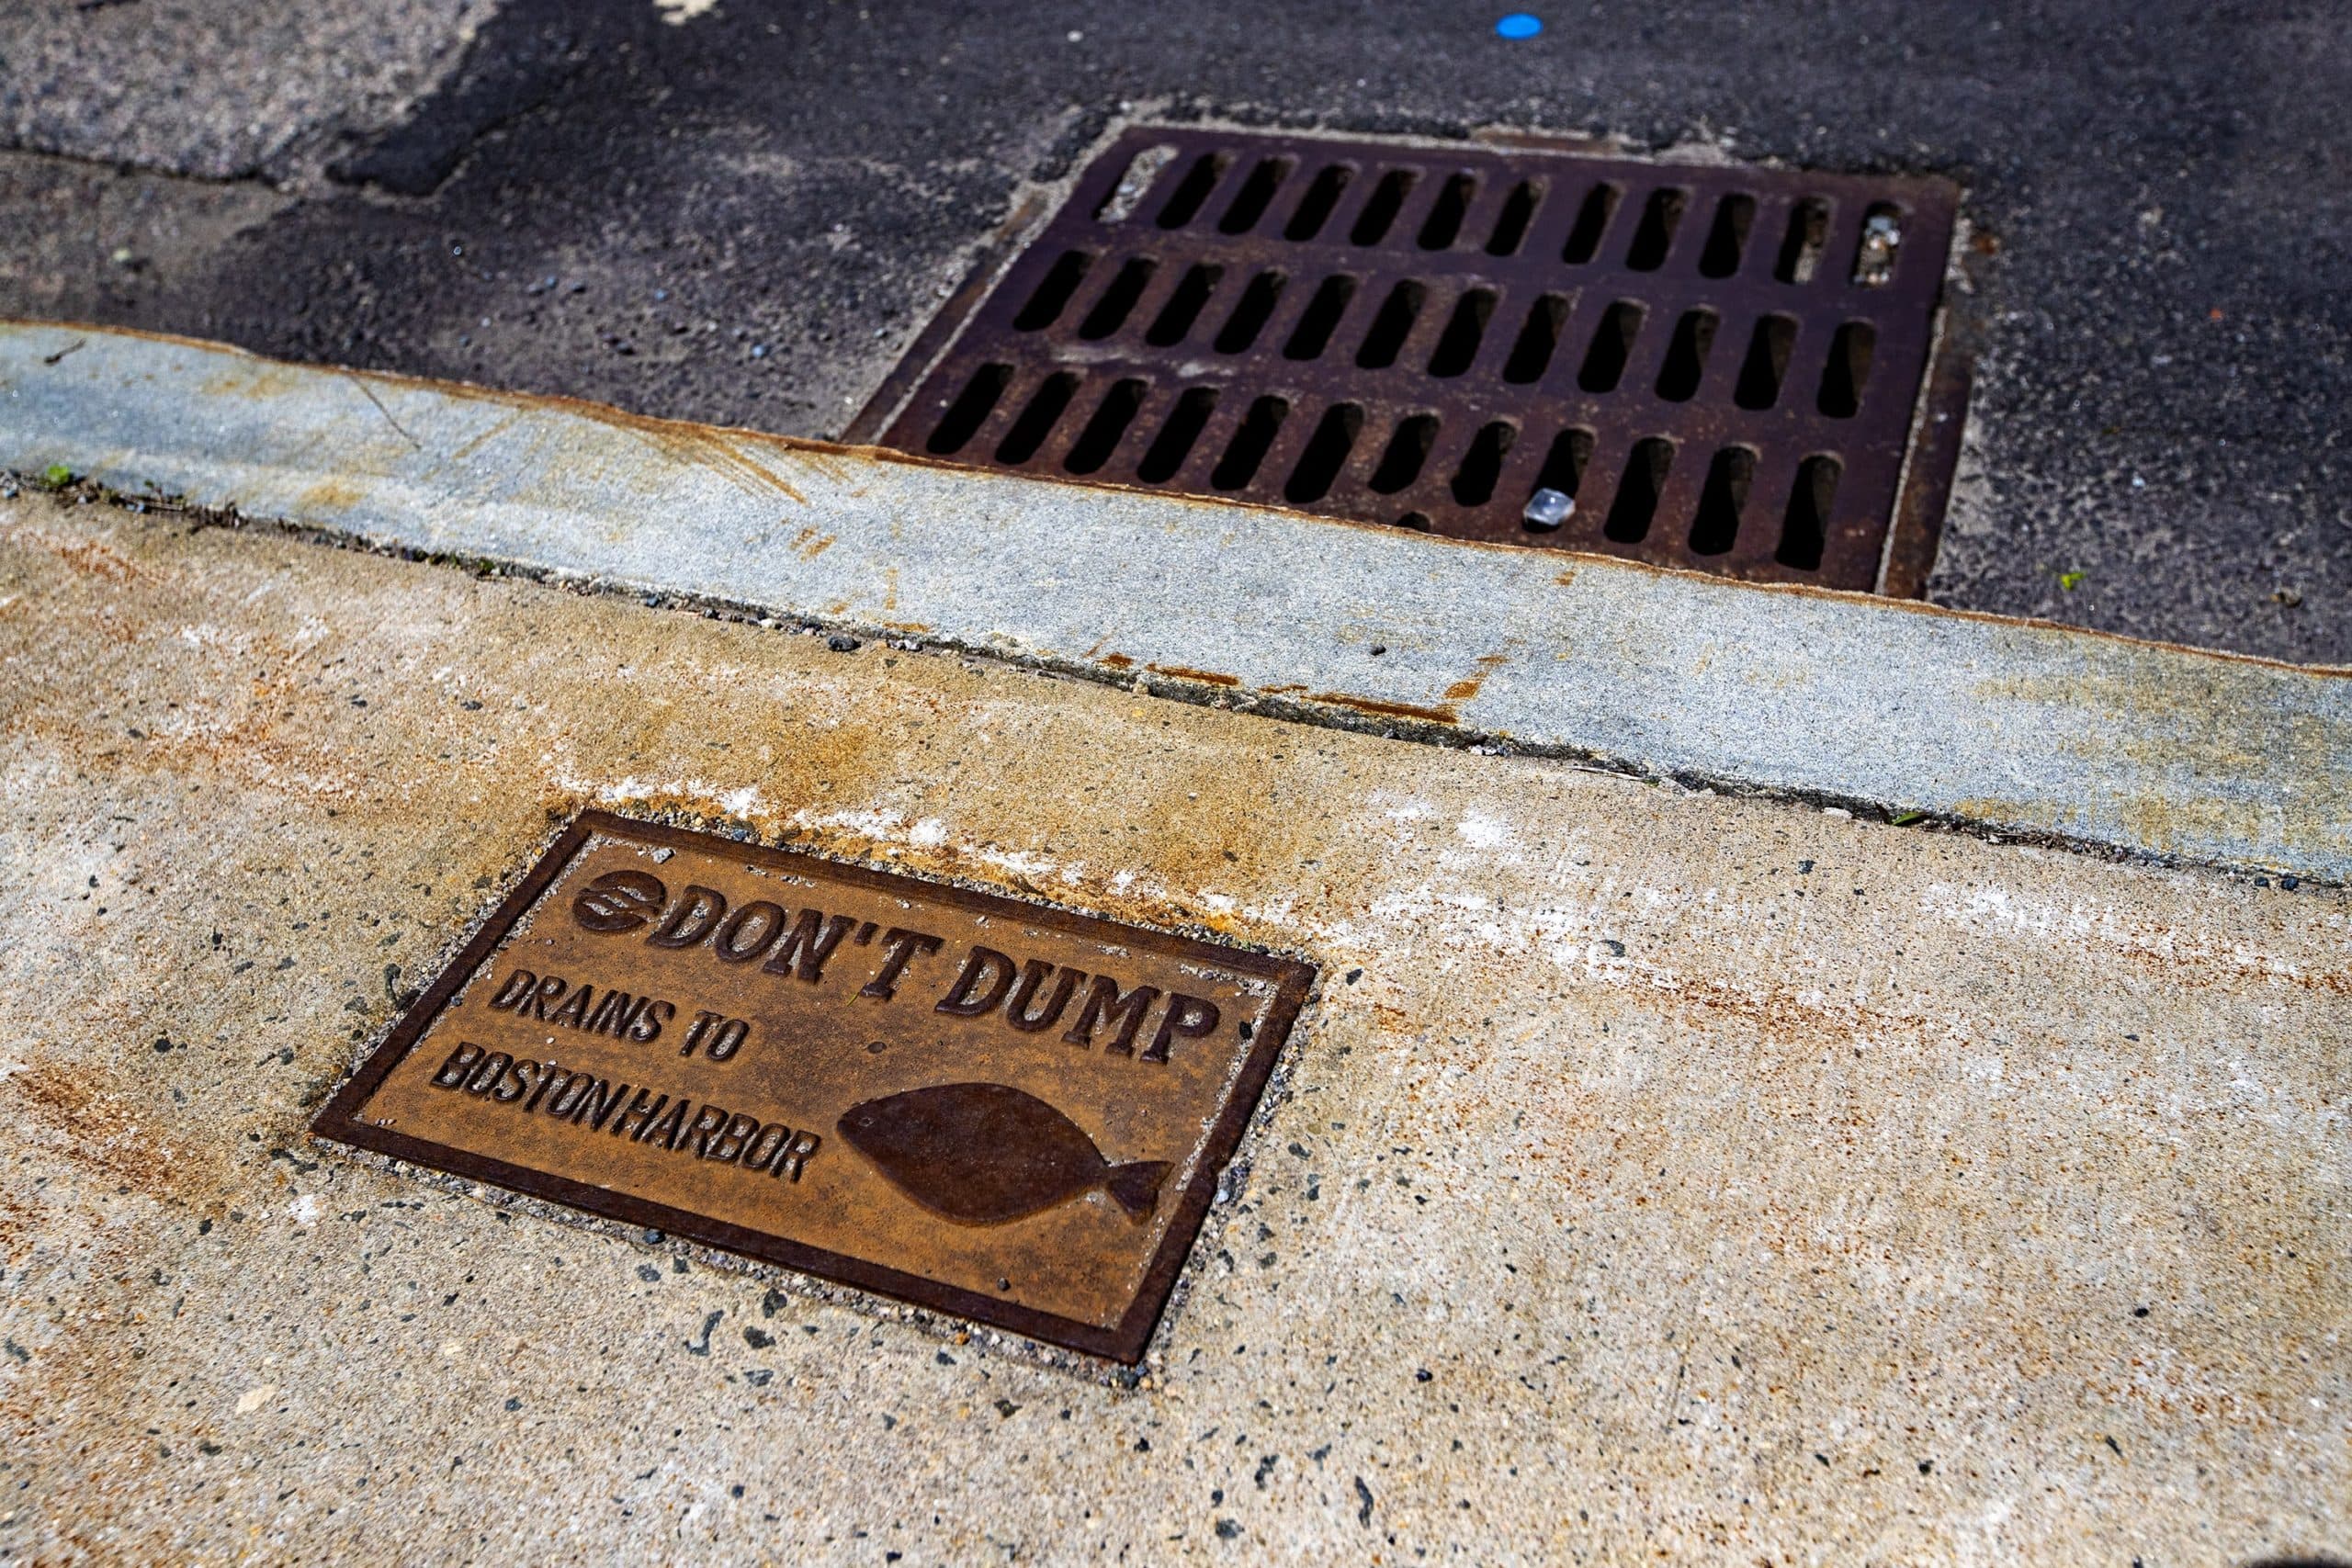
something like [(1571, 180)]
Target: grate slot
[(1250, 442), (1257, 193), (1407, 454), (1117, 301), (1514, 218), (1654, 235), (1847, 370), (1382, 207), (1715, 528), (1538, 340), (1765, 369), (1612, 348), (1457, 348), (1727, 239), (1391, 325), (1443, 226), (1325, 453), (1193, 190), (1320, 324), (1804, 526), (1686, 353), (1319, 200), (1639, 489), (1804, 233), (1251, 313), (1686, 356), (1054, 291), (969, 410), (1173, 322), (1595, 213), (1100, 437), (1178, 434), (1564, 466), (1047, 404)]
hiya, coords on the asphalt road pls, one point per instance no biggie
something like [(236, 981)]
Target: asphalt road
[(742, 212)]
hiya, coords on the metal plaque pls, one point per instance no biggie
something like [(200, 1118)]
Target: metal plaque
[(986, 1107)]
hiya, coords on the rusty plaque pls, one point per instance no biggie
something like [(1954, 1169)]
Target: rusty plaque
[(1708, 367), (1011, 1114)]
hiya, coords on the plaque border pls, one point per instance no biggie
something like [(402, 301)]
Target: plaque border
[(340, 1119)]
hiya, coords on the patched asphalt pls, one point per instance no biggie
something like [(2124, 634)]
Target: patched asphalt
[(743, 216)]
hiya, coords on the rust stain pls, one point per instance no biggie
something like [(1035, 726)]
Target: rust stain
[(473, 443), (1566, 578), (267, 379), (91, 557), (1462, 690), (808, 544), (1118, 661), (1185, 672), (104, 1134), (329, 495), (1386, 710)]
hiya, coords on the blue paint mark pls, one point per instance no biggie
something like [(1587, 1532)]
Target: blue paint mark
[(1519, 25)]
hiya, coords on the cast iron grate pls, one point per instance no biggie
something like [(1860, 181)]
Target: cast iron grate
[(1704, 366)]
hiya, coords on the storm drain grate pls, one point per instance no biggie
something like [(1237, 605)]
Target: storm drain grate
[(1701, 366)]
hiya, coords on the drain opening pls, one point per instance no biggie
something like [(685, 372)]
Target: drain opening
[(1728, 241), (971, 410), (1612, 346), (1637, 492), (1250, 203), (1592, 222), (1512, 224), (1536, 347), (1807, 526), (1408, 449), (1327, 450), (1474, 483), (1174, 322), (1391, 326), (1176, 437), (1848, 369), (1321, 199), (1531, 356), (1443, 225), (1037, 420), (1801, 248), (1716, 527), (1459, 345), (1046, 303), (1184, 202), (1312, 333), (1554, 500), (1767, 362), (1250, 317), (1111, 309), (1100, 437), (1686, 356), (1380, 212), (1251, 443), (1661, 215)]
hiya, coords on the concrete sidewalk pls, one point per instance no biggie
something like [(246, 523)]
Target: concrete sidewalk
[(1656, 1171)]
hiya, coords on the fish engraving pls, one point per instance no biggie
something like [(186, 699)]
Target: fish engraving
[(983, 1153)]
